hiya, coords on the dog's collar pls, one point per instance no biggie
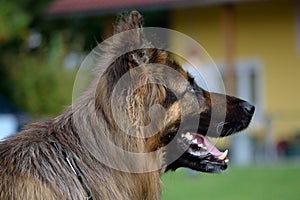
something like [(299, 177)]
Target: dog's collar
[(75, 169)]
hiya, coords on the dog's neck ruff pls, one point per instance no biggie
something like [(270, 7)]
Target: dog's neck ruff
[(75, 169)]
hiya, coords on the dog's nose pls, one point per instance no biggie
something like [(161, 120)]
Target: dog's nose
[(248, 108)]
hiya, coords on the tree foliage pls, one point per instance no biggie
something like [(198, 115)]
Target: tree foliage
[(16, 18), (39, 82), (13, 21), (32, 79)]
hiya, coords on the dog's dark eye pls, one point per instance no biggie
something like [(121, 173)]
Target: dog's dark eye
[(169, 136), (166, 139)]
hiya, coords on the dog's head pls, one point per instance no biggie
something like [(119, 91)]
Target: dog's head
[(146, 95)]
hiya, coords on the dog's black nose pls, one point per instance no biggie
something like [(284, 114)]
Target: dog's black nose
[(247, 107)]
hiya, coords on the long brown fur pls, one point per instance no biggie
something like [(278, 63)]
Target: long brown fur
[(33, 162)]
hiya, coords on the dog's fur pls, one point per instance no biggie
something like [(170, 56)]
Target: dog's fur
[(66, 157)]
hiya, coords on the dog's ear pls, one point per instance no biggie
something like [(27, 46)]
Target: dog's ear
[(128, 21), (131, 27), (127, 49), (130, 38)]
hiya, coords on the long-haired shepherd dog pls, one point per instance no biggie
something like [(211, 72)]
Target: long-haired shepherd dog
[(142, 117)]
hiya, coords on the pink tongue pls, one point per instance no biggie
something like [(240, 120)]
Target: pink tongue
[(210, 147)]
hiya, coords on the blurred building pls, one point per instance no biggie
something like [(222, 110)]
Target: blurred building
[(256, 45)]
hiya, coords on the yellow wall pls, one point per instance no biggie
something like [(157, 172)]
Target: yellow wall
[(263, 30), (201, 24)]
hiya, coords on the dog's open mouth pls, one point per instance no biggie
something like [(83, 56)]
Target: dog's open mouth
[(201, 147), (202, 154)]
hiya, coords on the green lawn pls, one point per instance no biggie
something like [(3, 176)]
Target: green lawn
[(276, 182)]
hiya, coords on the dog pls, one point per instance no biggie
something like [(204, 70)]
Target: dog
[(143, 116)]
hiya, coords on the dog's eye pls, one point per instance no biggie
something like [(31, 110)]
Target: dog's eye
[(190, 89), (169, 135), (167, 138)]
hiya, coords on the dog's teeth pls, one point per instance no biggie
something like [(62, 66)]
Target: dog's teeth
[(195, 141), (224, 155), (202, 146), (189, 136), (227, 160)]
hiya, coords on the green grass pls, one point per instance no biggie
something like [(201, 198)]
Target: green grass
[(247, 183)]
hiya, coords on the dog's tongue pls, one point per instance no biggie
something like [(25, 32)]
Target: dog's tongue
[(210, 147)]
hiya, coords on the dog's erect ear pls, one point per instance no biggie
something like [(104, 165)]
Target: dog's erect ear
[(129, 21), (130, 38)]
